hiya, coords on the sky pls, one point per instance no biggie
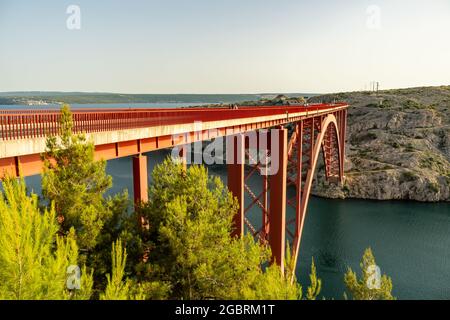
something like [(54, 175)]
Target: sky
[(223, 46)]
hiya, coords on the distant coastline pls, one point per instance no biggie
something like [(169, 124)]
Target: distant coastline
[(57, 98)]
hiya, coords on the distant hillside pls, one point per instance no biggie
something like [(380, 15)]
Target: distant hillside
[(40, 98), (398, 145)]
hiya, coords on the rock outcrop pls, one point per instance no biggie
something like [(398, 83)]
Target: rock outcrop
[(398, 145)]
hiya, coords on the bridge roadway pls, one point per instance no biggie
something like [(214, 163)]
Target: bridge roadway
[(124, 132)]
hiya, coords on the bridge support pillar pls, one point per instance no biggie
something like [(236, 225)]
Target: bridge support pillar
[(235, 171), (277, 208), (140, 180)]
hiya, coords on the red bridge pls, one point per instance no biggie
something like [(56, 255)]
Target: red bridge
[(302, 133)]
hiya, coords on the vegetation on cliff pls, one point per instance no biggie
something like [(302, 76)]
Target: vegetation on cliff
[(398, 145)]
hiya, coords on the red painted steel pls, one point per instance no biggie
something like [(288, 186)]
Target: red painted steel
[(21, 124), (235, 171), (259, 199), (277, 208), (325, 137), (39, 123), (140, 179), (310, 136)]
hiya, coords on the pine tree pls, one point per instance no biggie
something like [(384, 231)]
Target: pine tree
[(371, 286), (117, 288), (315, 286), (121, 288), (33, 259), (76, 183), (189, 243), (273, 285), (121, 224)]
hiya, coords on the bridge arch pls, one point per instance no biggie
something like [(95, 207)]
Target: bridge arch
[(298, 157), (326, 138)]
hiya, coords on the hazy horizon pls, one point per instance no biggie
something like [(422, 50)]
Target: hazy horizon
[(218, 47), (226, 93)]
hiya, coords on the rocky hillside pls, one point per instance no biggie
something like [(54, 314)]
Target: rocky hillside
[(398, 145)]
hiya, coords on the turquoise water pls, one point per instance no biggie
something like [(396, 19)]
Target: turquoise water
[(411, 241)]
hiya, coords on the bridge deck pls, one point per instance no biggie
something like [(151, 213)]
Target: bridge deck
[(124, 132)]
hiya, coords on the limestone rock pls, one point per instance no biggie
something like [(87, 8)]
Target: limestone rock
[(398, 146)]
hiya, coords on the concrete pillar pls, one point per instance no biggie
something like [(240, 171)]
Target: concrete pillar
[(235, 171), (140, 180), (277, 209)]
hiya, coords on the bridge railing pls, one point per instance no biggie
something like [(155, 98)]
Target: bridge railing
[(21, 124)]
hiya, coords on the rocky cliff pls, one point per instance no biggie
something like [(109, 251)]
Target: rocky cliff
[(398, 145)]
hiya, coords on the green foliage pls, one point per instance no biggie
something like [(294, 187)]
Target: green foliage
[(386, 104), (409, 148), (408, 176), (412, 104), (33, 259), (433, 186), (120, 224), (119, 288), (272, 285), (190, 247), (363, 137), (190, 217), (345, 188), (447, 177), (315, 287), (394, 144), (364, 288), (76, 183), (434, 162)]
